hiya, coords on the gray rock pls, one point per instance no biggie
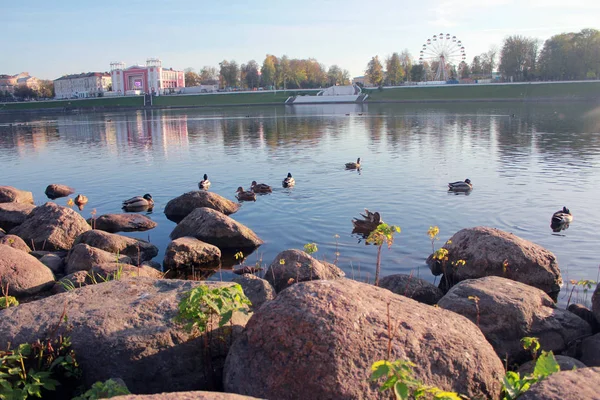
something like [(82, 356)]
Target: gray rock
[(9, 194), (24, 274), (590, 351), (2, 232), (51, 227), (585, 314), (13, 214), (83, 257), (121, 223), (320, 338), (126, 329), (136, 249), (510, 310), (258, 290), (412, 287), (54, 191), (185, 396), (153, 264), (596, 302), (15, 242), (54, 261), (187, 252), (581, 384), (492, 252), (179, 208), (293, 266), (215, 228), (565, 363)]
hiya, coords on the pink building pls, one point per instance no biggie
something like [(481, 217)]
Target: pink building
[(152, 78)]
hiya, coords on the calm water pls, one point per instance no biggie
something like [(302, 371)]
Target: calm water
[(523, 169)]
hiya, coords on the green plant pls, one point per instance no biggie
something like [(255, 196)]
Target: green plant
[(310, 248), (8, 301), (104, 390), (384, 233), (586, 284)]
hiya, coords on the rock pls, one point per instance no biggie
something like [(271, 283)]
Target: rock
[(24, 274), (485, 251), (51, 227), (83, 257), (55, 262), (510, 310), (179, 208), (187, 252), (585, 314), (54, 191), (15, 242), (13, 214), (581, 384), (258, 290), (320, 338), (137, 249), (590, 351), (298, 266), (100, 273), (126, 329), (565, 363), (122, 223), (215, 228), (153, 264), (412, 287), (2, 233), (185, 396), (596, 302), (9, 194)]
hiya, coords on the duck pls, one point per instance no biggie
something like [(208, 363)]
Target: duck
[(138, 203), (260, 187), (561, 220), (370, 222), (289, 181), (460, 186), (243, 195), (353, 165), (81, 200), (204, 183)]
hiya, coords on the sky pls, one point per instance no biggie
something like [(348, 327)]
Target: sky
[(53, 38)]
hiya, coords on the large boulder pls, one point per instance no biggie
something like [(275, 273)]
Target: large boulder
[(122, 223), (51, 227), (413, 287), (137, 249), (83, 257), (216, 228), (565, 363), (100, 273), (179, 208), (580, 384), (187, 252), (585, 314), (492, 252), (293, 266), (126, 329), (54, 191), (320, 338), (9, 194), (590, 351), (54, 261), (507, 311), (15, 242), (13, 214), (258, 290), (198, 395), (23, 273), (596, 302)]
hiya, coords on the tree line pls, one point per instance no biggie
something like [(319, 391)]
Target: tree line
[(44, 90)]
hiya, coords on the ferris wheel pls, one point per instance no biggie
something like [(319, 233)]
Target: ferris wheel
[(444, 49)]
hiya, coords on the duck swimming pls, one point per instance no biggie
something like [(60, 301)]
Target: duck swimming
[(204, 183), (353, 165), (138, 203), (289, 181), (460, 186), (561, 220), (243, 195), (80, 201), (260, 187)]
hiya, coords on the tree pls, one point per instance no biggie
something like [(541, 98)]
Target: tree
[(395, 73), (374, 71), (463, 70), (488, 61), (345, 77), (335, 76), (268, 70), (476, 68), (208, 75), (417, 73), (191, 77), (229, 73), (251, 75), (46, 89), (284, 71), (518, 58), (24, 92), (406, 62)]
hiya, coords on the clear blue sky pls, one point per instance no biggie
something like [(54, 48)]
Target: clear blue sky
[(53, 38)]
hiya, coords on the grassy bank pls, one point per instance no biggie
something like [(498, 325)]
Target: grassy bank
[(548, 91), (103, 102), (223, 99)]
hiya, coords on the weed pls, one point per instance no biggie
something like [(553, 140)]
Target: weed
[(586, 284), (337, 251), (310, 248), (7, 301), (476, 301), (104, 390), (384, 233)]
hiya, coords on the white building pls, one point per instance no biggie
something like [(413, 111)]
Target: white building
[(91, 84), (152, 78)]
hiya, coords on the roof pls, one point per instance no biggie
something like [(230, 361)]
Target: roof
[(83, 75)]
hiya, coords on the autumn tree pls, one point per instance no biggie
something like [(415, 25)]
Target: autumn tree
[(250, 75), (463, 70), (46, 89), (229, 73), (268, 70), (191, 77), (518, 58), (406, 62), (394, 71), (208, 75), (374, 71), (417, 73)]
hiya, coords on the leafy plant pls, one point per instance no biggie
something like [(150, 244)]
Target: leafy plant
[(384, 233), (104, 390), (310, 248), (586, 284), (8, 301)]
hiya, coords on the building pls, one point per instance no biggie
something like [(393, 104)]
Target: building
[(8, 83), (151, 78), (91, 84), (362, 81)]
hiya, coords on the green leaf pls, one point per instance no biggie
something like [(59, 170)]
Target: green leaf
[(545, 365), (401, 391), (380, 369)]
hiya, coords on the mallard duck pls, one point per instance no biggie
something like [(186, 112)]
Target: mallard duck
[(243, 195), (561, 220), (289, 181), (81, 200), (138, 203), (460, 186), (368, 224), (260, 187), (204, 183), (353, 165)]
